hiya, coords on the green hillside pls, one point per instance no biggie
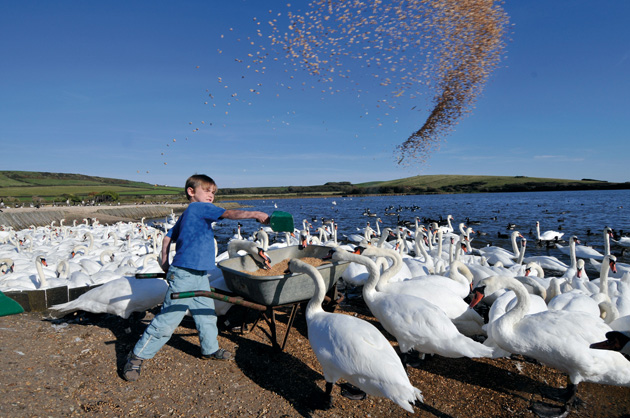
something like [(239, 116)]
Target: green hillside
[(43, 187), (26, 186), (481, 184), (434, 184)]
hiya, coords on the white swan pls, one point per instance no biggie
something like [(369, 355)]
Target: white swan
[(367, 234), (507, 301), (459, 274), (422, 264), (45, 281), (547, 235), (467, 321), (416, 323), (558, 339), (25, 280), (448, 227), (607, 287), (251, 248), (572, 271), (548, 262), (623, 241), (7, 264), (352, 349), (622, 268), (120, 297), (77, 278), (573, 301), (582, 251), (494, 254)]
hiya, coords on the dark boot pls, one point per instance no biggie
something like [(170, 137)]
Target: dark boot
[(131, 371)]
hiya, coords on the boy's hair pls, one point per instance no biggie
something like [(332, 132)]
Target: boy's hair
[(197, 180)]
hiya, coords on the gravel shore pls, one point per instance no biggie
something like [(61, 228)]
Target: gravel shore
[(71, 367)]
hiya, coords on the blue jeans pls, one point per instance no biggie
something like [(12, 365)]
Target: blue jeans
[(173, 311)]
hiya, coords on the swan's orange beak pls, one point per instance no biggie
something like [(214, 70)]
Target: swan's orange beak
[(478, 295), (613, 266), (46, 264), (266, 259)]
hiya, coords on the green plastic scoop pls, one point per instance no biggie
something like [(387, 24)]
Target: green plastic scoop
[(281, 221)]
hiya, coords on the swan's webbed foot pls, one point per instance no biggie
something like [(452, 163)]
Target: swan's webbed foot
[(573, 400), (567, 396), (351, 392), (412, 358), (545, 410), (324, 401)]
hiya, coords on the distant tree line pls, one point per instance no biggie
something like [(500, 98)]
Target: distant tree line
[(347, 188), (342, 187)]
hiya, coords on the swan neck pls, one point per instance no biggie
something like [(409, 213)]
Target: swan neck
[(522, 305), (439, 252), (521, 255), (40, 272), (517, 252), (390, 272), (373, 273), (603, 277), (419, 247), (460, 273), (315, 304)]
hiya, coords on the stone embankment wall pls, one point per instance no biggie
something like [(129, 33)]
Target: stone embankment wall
[(22, 218)]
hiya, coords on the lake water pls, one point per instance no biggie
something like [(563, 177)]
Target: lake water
[(580, 213)]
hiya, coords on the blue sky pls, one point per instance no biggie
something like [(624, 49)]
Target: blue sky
[(122, 89)]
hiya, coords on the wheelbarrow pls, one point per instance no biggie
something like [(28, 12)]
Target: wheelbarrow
[(268, 294)]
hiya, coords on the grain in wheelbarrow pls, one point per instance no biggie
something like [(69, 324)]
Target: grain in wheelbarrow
[(282, 267)]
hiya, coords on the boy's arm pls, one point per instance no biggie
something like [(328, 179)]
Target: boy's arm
[(261, 217), (166, 249)]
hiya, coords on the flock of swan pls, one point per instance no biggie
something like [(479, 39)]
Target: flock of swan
[(563, 320), (86, 254), (414, 280)]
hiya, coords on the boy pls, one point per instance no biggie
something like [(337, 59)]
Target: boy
[(195, 254)]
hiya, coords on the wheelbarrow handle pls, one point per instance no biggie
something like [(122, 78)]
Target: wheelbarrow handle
[(219, 296), (150, 275)]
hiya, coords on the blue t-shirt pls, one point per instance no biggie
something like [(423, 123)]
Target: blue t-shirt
[(194, 236)]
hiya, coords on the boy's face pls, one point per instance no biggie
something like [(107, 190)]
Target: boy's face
[(202, 193)]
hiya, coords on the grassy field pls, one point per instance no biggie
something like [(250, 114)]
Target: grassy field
[(23, 186)]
